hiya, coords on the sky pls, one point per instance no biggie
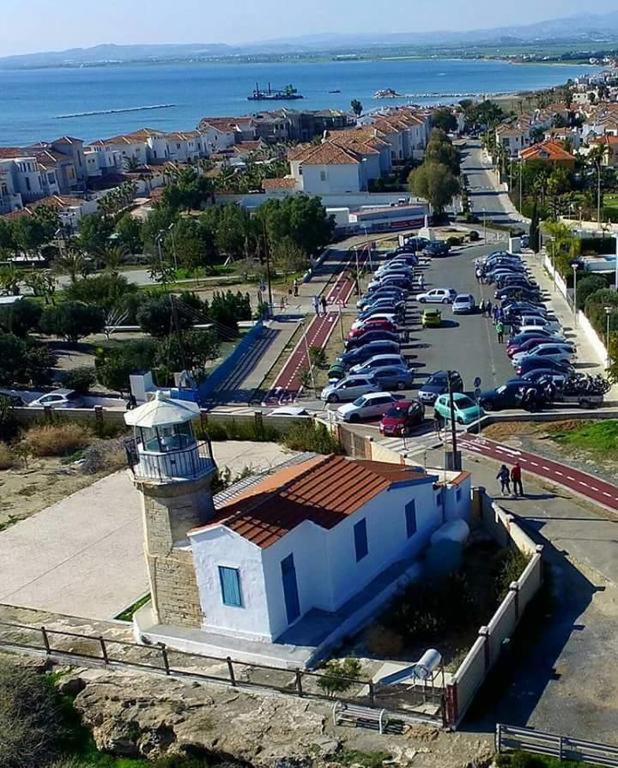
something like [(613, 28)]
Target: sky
[(44, 25)]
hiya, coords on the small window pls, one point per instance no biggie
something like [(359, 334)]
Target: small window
[(410, 519), (360, 539), (458, 494), (322, 175), (230, 586)]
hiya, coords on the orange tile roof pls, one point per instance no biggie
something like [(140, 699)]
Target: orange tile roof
[(327, 153), (286, 183), (546, 150), (609, 139), (324, 490), (11, 153)]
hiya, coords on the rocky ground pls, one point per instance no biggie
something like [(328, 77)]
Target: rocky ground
[(139, 715)]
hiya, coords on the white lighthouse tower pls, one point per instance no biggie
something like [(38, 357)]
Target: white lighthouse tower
[(173, 472)]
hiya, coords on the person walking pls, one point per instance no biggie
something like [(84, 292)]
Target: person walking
[(295, 287), (495, 311), (316, 304), (479, 274), (323, 303), (500, 331), (482, 307), (488, 308), (504, 476), (518, 488)]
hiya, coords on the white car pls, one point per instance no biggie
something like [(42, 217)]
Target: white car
[(349, 388), (360, 323), (59, 398), (464, 304), (394, 266), (377, 361), (530, 322), (438, 296), (367, 406), (556, 352)]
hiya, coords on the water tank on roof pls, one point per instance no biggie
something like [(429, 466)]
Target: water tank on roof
[(427, 664), (456, 530)]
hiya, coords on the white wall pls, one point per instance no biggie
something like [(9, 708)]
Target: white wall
[(220, 546), (331, 179)]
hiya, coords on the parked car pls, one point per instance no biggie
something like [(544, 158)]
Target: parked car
[(464, 304), (394, 377), (349, 388), (466, 410), (518, 293), (437, 384), (367, 406), (371, 324), (369, 335), (415, 243), (562, 353), (533, 333), (394, 267), (377, 361), (437, 248), (431, 318), (557, 377), (437, 296), (393, 293), (360, 354), (396, 312), (58, 398), (530, 344), (508, 395), (402, 417), (532, 362), (400, 281)]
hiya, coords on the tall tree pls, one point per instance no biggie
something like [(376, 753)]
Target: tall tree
[(357, 107), (436, 183)]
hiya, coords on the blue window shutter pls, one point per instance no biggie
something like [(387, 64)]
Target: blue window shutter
[(410, 519), (230, 586), (360, 539)]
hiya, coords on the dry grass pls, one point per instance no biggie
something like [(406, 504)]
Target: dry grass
[(56, 440), (7, 457)]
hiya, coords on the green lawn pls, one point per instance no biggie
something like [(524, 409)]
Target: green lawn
[(599, 437)]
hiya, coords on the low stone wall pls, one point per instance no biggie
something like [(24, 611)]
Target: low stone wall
[(486, 650), (595, 342), (555, 276)]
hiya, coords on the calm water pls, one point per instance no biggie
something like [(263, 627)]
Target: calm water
[(31, 101)]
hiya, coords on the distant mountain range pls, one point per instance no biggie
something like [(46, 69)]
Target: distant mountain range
[(597, 29)]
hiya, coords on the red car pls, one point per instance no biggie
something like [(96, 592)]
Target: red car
[(525, 346), (402, 417), (372, 325)]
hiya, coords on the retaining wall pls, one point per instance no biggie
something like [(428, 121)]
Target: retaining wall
[(555, 276), (595, 342), (486, 650)]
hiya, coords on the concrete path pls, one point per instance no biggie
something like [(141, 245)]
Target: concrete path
[(83, 556), (561, 676)]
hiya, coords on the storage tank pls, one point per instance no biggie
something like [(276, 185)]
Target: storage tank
[(427, 664), (455, 530)]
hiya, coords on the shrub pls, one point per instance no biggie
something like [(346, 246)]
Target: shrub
[(114, 364), (30, 718), (587, 286), (454, 241), (339, 675), (312, 436), (80, 379), (105, 291), (56, 439), (7, 457), (473, 236), (510, 567), (317, 356), (8, 423), (21, 317), (161, 315), (72, 320)]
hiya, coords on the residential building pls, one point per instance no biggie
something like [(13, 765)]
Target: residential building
[(298, 545), (513, 137), (550, 152), (10, 198), (610, 143), (327, 168)]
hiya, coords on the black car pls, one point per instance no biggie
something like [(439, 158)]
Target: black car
[(437, 384), (360, 354), (509, 395), (533, 362), (519, 293), (359, 341), (437, 248)]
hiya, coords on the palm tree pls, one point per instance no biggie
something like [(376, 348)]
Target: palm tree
[(10, 278), (73, 263), (595, 159), (113, 257)]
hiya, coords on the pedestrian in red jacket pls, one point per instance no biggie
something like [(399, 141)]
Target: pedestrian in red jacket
[(518, 488)]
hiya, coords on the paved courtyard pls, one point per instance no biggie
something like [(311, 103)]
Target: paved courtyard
[(83, 556)]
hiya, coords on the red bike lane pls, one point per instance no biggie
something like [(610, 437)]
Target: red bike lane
[(583, 484)]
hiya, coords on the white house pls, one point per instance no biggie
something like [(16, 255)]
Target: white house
[(311, 536), (327, 169)]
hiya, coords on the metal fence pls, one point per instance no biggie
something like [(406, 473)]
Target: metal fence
[(95, 650), (510, 737)]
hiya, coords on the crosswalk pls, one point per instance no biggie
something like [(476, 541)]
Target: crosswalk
[(413, 445)]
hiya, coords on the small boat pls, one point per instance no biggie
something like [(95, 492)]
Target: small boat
[(335, 90), (288, 93), (387, 93)]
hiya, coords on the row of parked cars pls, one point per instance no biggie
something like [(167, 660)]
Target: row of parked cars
[(372, 368)]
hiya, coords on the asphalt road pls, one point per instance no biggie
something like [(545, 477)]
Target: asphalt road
[(465, 343), (486, 197)]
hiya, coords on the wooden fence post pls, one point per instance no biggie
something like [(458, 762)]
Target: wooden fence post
[(299, 682), (230, 667), (46, 641), (104, 650), (166, 661), (484, 633), (372, 700), (514, 588)]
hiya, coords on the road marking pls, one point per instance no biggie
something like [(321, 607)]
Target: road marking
[(534, 463), (556, 472)]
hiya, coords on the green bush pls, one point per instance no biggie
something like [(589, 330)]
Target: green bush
[(72, 320), (339, 675), (254, 431), (30, 718), (311, 436), (588, 285), (80, 379), (510, 566), (454, 241), (20, 318), (473, 236)]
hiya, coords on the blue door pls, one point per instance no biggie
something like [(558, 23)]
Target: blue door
[(290, 588)]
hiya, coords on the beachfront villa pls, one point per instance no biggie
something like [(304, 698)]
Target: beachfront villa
[(279, 566)]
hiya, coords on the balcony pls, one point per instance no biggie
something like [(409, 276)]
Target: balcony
[(176, 464)]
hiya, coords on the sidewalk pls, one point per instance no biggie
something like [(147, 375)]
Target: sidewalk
[(587, 358)]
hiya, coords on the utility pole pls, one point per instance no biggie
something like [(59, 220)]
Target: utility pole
[(453, 461), (599, 193), (521, 186)]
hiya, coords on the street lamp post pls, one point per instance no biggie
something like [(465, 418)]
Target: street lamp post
[(608, 315), (171, 230), (575, 268), (484, 226)]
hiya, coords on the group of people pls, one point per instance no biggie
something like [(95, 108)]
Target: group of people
[(495, 313), (506, 477), (319, 304)]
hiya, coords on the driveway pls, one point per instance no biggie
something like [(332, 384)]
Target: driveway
[(84, 555)]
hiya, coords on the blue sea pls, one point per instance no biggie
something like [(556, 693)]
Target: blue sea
[(32, 101)]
